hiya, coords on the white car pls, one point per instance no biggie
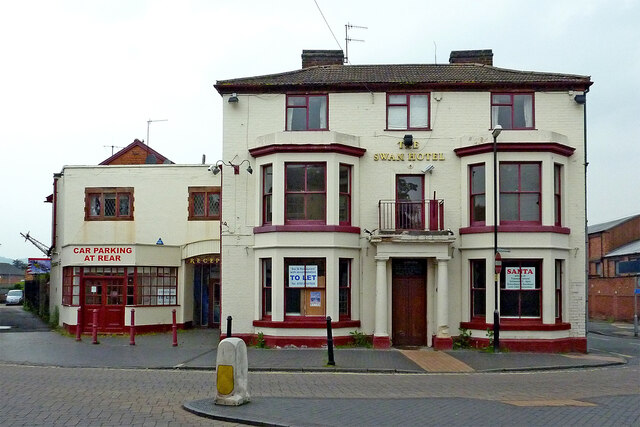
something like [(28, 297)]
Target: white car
[(15, 296)]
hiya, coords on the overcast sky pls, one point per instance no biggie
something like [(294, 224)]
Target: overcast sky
[(78, 77)]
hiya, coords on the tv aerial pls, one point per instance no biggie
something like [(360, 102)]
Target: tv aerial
[(347, 39)]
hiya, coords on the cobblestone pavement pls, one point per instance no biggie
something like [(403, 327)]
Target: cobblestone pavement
[(90, 396)]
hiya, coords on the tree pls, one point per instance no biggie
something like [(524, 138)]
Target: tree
[(19, 264)]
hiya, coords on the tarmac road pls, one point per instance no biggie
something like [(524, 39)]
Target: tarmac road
[(13, 318)]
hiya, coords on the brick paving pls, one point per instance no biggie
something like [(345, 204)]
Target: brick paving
[(94, 396)]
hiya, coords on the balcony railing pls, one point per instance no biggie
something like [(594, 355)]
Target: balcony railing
[(415, 215)]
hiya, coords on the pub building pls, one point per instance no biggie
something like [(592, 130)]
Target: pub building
[(136, 232), (372, 202)]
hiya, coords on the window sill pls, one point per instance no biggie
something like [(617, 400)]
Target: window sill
[(307, 323), (409, 129), (515, 229), (516, 325), (306, 228)]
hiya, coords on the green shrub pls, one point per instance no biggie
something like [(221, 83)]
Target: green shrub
[(463, 340), (360, 339), (260, 342), (54, 318)]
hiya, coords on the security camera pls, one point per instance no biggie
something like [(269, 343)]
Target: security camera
[(210, 169)]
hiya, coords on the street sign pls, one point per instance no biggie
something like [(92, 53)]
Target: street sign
[(498, 263)]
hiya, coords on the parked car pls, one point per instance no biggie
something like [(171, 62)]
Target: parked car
[(15, 296)]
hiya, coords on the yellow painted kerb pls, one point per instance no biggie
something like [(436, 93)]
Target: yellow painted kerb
[(225, 379)]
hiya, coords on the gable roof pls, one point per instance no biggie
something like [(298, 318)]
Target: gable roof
[(136, 153), (597, 228), (463, 76)]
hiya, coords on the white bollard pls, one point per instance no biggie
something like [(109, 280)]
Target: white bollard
[(232, 373)]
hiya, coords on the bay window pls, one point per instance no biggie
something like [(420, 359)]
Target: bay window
[(345, 195), (557, 195), (307, 112), (512, 110), (478, 287), (521, 289), (520, 193), (305, 193), (265, 273), (477, 199), (305, 281), (267, 194), (344, 288)]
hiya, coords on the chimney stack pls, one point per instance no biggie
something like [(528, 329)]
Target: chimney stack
[(311, 58), (471, 57)]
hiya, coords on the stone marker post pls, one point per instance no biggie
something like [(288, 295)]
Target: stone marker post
[(232, 373)]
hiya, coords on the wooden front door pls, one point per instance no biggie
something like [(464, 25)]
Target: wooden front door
[(409, 302), (108, 297)]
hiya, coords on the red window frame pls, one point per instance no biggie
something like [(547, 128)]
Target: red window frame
[(289, 108), (519, 192), (210, 212), (559, 278), (473, 195), (302, 292), (71, 284), (344, 288), (407, 104), (91, 193), (511, 105), (523, 295), (306, 193), (345, 194), (267, 194), (150, 280), (557, 194), (266, 278), (478, 282)]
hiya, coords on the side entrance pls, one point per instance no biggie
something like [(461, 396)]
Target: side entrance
[(409, 302)]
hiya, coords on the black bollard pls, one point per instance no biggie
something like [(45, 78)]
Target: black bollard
[(229, 319), (330, 342)]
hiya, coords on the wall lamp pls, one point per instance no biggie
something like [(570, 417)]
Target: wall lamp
[(216, 168), (580, 99), (408, 141), (233, 98)]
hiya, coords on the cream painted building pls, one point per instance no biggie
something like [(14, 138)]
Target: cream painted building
[(142, 237), (371, 202)]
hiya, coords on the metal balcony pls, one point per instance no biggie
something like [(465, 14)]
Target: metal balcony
[(395, 216)]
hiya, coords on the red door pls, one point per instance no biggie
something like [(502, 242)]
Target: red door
[(409, 303), (106, 296)]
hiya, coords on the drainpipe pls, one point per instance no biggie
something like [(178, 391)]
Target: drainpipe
[(582, 99)]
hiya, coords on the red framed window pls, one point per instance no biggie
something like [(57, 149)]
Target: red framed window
[(344, 287), (108, 204), (478, 272), (512, 110), (304, 289), (520, 195), (557, 194), (559, 278), (521, 289), (305, 193), (345, 195), (204, 203), (265, 272), (407, 111), (157, 286), (71, 286), (477, 199), (267, 194), (410, 213), (307, 112)]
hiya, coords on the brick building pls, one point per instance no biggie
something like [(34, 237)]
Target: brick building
[(610, 286), (372, 203)]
